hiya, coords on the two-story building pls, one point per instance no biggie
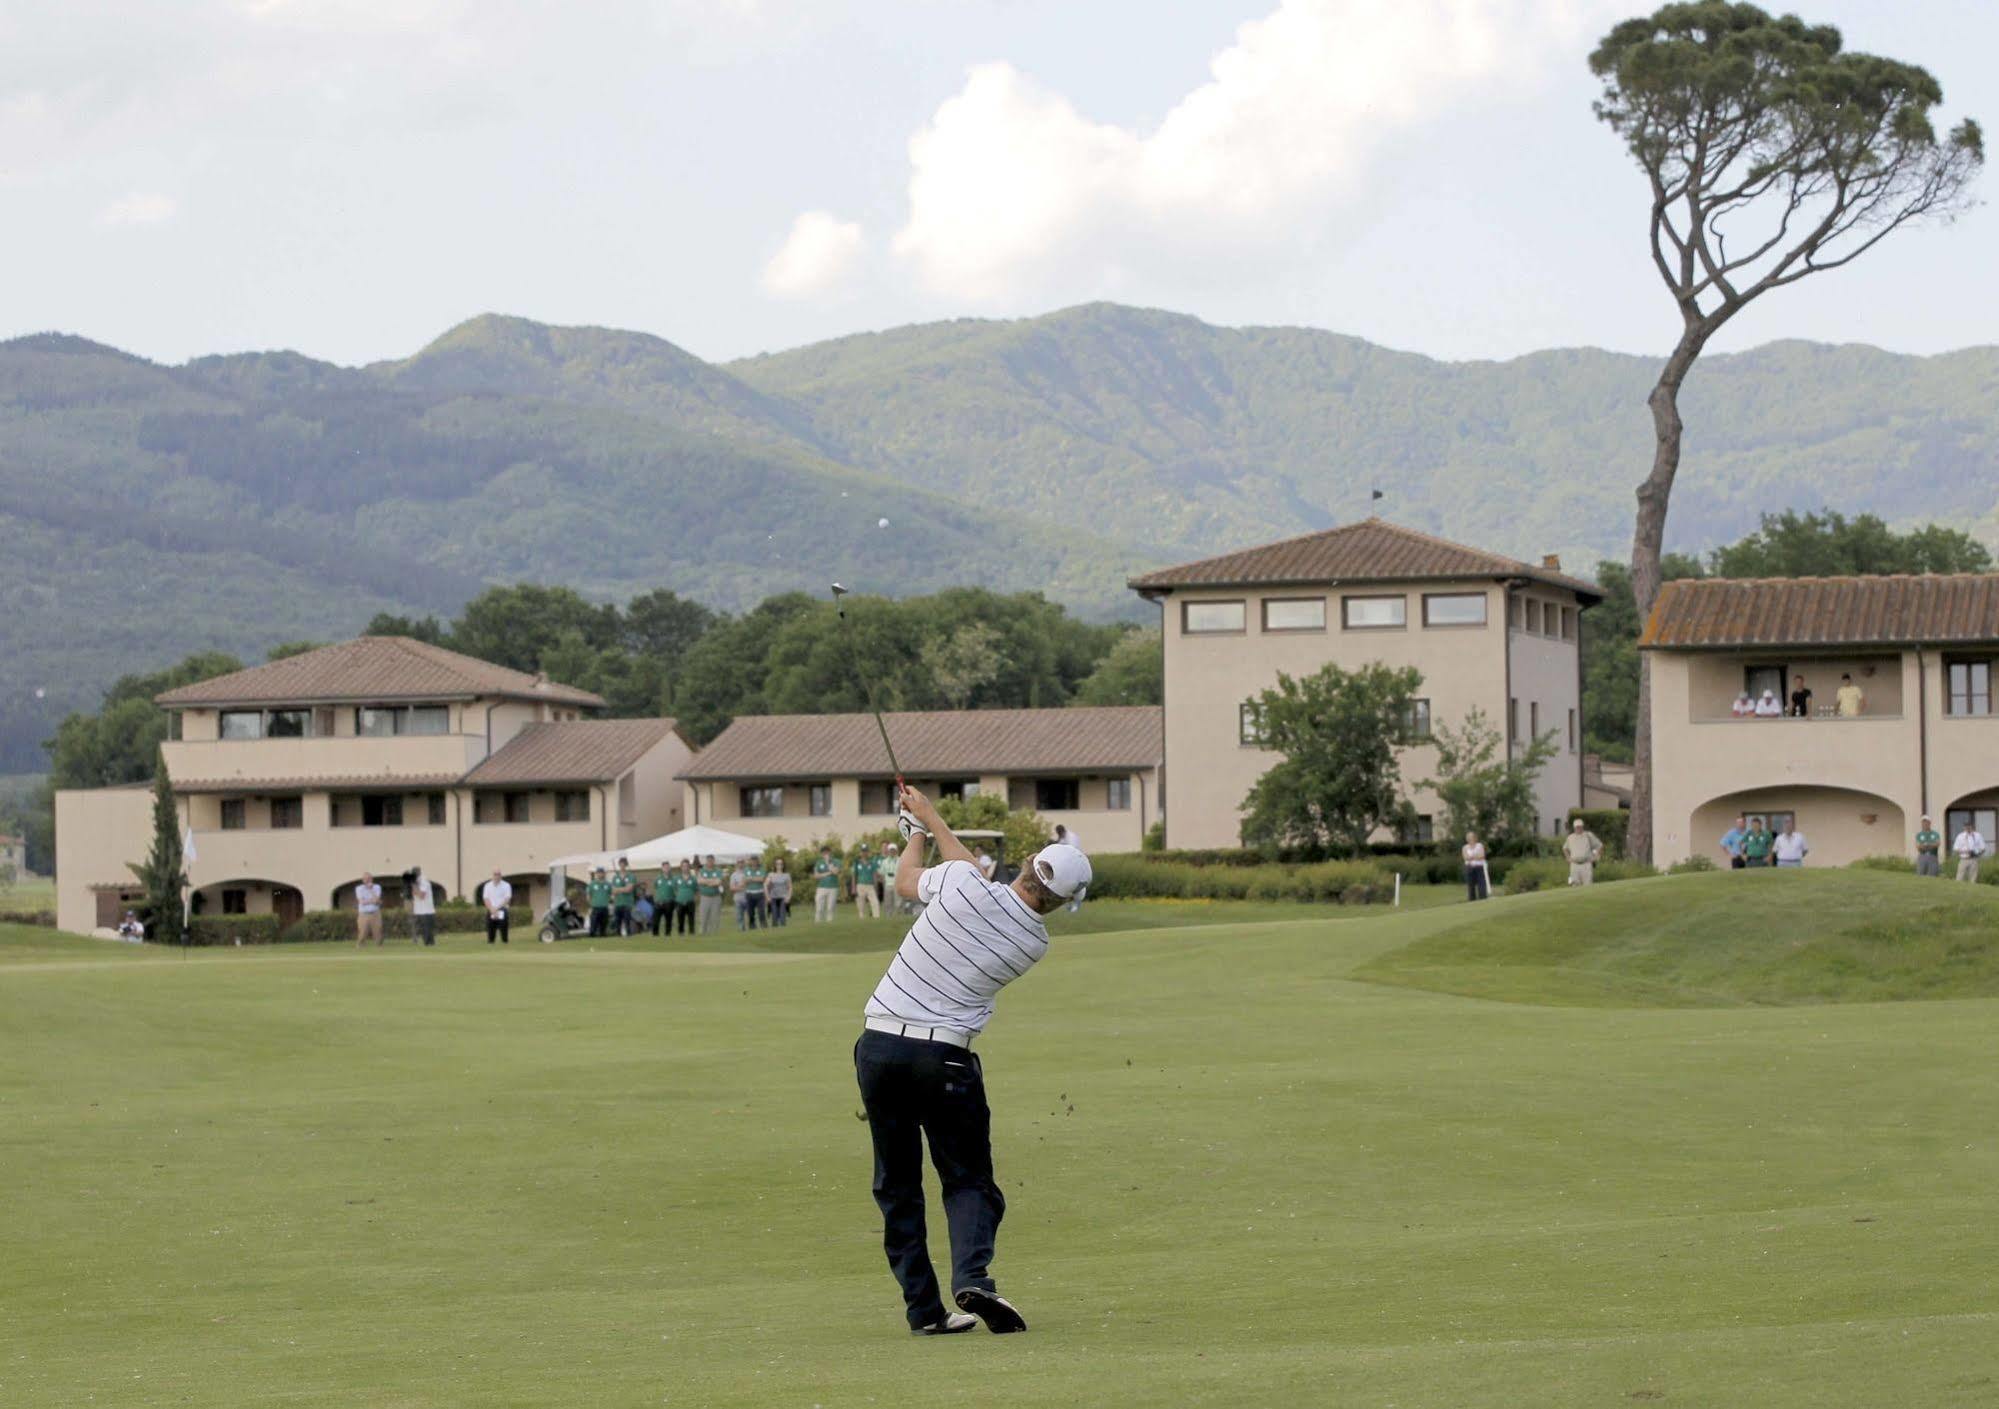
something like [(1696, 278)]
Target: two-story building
[(374, 755), (1486, 632), (1924, 740), (805, 777)]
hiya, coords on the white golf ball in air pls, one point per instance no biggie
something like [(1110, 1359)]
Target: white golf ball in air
[(881, 523)]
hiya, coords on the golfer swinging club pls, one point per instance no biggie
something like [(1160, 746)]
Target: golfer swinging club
[(918, 1072)]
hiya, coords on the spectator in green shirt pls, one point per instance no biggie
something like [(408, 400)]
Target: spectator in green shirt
[(754, 874), (1929, 848), (708, 891), (685, 892), (624, 895), (863, 871), (825, 885), (599, 891), (1756, 844), (662, 901)]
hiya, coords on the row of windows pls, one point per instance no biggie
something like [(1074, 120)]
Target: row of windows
[(1249, 723), (1539, 618), (370, 722), (1369, 612), (1050, 795), (1534, 723), (1415, 722), (396, 810)]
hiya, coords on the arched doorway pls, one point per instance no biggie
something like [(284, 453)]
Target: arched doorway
[(1841, 825), (249, 896)]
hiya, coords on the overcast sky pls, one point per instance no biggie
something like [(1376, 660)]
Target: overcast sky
[(351, 177)]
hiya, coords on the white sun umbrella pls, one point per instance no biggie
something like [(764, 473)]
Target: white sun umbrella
[(687, 844)]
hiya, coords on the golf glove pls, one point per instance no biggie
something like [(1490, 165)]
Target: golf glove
[(907, 824)]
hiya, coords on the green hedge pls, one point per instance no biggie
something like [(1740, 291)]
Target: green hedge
[(1546, 873), (333, 926), (232, 929), (1130, 877), (45, 918), (1610, 824), (1694, 863)]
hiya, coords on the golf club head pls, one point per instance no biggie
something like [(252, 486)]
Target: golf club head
[(838, 591)]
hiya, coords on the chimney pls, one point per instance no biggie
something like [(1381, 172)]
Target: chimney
[(1552, 561)]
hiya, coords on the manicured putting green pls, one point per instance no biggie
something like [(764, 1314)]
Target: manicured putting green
[(553, 1176)]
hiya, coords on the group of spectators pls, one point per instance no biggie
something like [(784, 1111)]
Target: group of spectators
[(1849, 702), (1581, 848), (1750, 844), (1967, 846)]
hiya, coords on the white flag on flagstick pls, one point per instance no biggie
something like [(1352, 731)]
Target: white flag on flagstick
[(187, 848)]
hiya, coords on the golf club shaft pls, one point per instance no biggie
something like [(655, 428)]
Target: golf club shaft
[(867, 685)]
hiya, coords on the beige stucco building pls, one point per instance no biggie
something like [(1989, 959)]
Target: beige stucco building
[(375, 755), (1486, 632), (807, 777), (1925, 739)]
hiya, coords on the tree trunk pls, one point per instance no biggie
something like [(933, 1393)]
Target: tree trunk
[(1648, 538)]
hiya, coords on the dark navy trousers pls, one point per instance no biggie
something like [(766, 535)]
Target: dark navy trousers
[(915, 1090)]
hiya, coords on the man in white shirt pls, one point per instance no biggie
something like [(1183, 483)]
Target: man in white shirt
[(1789, 847), (918, 1075), (367, 911), (423, 908), (497, 894), (1968, 847)]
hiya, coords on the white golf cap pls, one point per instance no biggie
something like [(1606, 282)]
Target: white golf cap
[(1063, 869)]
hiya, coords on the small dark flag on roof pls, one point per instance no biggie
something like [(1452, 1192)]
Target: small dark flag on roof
[(1374, 495)]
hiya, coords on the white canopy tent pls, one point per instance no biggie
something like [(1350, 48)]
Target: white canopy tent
[(687, 844)]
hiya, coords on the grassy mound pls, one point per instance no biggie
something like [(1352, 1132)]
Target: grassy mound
[(1763, 937)]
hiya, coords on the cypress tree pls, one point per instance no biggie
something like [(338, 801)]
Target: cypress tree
[(164, 872)]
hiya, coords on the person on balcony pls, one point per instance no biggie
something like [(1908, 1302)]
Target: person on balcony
[(1788, 847), (1767, 706), (1968, 847), (1744, 707), (1928, 843), (1852, 703), (1801, 698), (1756, 844)]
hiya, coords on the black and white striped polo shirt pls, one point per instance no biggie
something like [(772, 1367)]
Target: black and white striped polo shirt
[(973, 939)]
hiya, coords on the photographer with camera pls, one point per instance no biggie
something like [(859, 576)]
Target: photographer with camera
[(423, 907)]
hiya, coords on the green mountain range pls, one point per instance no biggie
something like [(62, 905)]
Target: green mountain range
[(234, 502)]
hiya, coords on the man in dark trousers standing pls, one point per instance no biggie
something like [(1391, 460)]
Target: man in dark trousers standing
[(918, 1075)]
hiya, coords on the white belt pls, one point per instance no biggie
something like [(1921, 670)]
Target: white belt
[(956, 1037)]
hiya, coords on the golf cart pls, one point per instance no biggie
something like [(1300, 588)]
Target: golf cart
[(563, 921), (995, 847)]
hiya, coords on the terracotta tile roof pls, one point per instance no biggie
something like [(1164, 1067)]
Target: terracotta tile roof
[(1373, 550), (1938, 609), (372, 668), (948, 742), (321, 782), (580, 751)]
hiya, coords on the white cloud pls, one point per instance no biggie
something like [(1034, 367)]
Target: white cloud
[(138, 208), (1013, 191), (818, 256)]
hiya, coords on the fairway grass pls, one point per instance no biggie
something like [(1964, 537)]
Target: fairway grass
[(585, 1175)]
